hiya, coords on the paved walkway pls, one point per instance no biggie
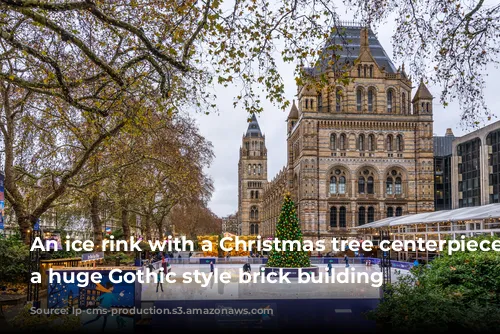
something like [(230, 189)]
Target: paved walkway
[(248, 291)]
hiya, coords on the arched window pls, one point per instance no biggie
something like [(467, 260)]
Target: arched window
[(249, 169), (361, 215), (371, 71), (390, 212), (389, 143), (320, 101), (388, 186), (361, 185), (254, 169), (399, 143), (370, 100), (423, 107), (333, 185), (307, 103), (342, 143), (333, 141), (371, 143), (371, 214), (311, 104), (359, 99), (361, 142), (338, 101), (252, 213), (342, 216), (333, 216), (256, 194), (252, 229), (428, 107), (398, 189), (389, 101), (342, 185), (251, 194), (403, 103), (369, 185), (256, 229), (256, 213), (359, 70), (399, 211), (259, 167)]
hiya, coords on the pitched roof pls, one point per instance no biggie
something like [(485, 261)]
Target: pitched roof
[(253, 128), (422, 92), (294, 112), (348, 38)]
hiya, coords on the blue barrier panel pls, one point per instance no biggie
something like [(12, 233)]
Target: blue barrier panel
[(207, 260), (402, 265), (331, 260)]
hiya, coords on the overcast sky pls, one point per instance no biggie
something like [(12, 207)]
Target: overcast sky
[(226, 129)]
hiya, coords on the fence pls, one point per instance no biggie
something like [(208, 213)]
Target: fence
[(263, 260)]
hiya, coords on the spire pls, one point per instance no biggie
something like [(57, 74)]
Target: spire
[(364, 40), (294, 112), (422, 92), (253, 128)]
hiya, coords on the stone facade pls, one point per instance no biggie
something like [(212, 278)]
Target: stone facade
[(357, 152)]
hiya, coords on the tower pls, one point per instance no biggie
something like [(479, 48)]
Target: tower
[(252, 178), (424, 149)]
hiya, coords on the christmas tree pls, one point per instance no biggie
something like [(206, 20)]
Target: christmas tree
[(288, 228)]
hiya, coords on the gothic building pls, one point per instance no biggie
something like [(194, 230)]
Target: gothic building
[(357, 152)]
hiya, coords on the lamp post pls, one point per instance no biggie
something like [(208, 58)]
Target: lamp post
[(34, 266), (385, 264)]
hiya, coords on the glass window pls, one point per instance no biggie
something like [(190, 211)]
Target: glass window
[(342, 143), (361, 215), (333, 141), (398, 188), (389, 101), (370, 100), (342, 216), (399, 211), (361, 185), (371, 143), (388, 188), (333, 185), (359, 100), (361, 142), (390, 212), (399, 143), (389, 143), (338, 101), (371, 214), (333, 216), (369, 189), (342, 185)]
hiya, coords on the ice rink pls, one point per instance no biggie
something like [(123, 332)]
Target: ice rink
[(234, 290)]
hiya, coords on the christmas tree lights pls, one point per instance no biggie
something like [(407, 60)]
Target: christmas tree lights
[(288, 228)]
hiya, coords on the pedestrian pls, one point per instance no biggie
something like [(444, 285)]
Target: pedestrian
[(346, 259), (415, 263), (164, 263), (105, 302), (329, 268), (211, 266), (159, 284)]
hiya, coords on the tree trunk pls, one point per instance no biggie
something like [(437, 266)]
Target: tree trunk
[(25, 227), (147, 227), (125, 222), (96, 220)]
